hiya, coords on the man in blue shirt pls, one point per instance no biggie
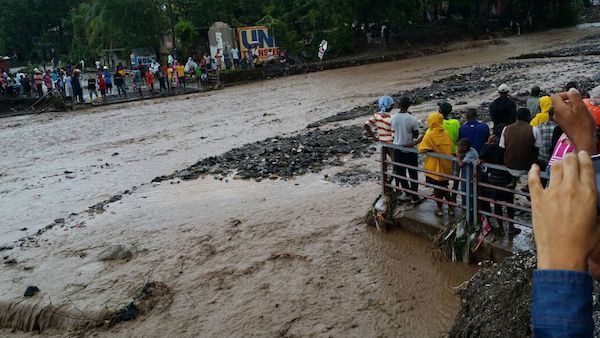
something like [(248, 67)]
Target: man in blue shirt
[(566, 230), (477, 132)]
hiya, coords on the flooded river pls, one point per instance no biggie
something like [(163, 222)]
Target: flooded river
[(239, 258)]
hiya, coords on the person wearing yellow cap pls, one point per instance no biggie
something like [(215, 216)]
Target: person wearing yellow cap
[(544, 115), (437, 140)]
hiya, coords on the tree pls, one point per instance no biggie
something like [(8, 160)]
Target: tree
[(107, 24), (186, 33), (34, 29)]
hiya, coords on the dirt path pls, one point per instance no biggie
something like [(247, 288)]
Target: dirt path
[(270, 258)]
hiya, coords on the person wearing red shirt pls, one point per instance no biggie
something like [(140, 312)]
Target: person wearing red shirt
[(102, 86), (150, 80)]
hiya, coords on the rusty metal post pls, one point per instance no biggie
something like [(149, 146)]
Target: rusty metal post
[(475, 193), (383, 169), (469, 193)]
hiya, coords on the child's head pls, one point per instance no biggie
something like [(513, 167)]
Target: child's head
[(464, 144)]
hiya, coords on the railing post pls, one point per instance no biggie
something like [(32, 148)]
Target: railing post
[(469, 192), (475, 193), (383, 169)]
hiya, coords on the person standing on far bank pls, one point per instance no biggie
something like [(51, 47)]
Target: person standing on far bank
[(235, 55)]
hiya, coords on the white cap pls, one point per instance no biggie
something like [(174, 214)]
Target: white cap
[(503, 88), (105, 67)]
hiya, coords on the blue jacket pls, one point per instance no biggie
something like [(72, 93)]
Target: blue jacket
[(562, 304)]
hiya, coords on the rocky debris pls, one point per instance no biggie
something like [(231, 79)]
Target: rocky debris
[(98, 208), (498, 294), (562, 53), (282, 156), (6, 248), (345, 115), (589, 14), (115, 198), (353, 176), (589, 47), (115, 252), (480, 81), (9, 261), (154, 295), (31, 291)]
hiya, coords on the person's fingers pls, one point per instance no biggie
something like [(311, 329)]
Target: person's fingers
[(574, 96), (535, 185), (556, 175), (562, 110), (587, 174), (563, 96), (570, 169)]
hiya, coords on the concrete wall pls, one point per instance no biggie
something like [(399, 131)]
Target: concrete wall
[(220, 36)]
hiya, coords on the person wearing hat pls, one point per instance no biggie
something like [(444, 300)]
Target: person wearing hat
[(379, 126), (437, 140), (543, 116), (503, 111), (452, 127)]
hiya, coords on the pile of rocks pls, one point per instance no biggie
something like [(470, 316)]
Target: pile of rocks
[(282, 156), (496, 302)]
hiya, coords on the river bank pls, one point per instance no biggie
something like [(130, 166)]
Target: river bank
[(284, 254)]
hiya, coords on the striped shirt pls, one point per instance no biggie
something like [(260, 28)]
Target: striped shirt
[(383, 127)]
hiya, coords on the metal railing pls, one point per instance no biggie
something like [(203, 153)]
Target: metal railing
[(474, 197)]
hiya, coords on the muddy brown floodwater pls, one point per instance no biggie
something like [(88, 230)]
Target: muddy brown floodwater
[(236, 258)]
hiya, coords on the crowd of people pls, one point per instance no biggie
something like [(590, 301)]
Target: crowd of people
[(554, 134), (71, 82), (517, 138)]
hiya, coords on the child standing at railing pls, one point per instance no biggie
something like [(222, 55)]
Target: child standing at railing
[(465, 155), (437, 140)]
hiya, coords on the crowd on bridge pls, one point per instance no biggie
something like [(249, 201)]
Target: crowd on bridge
[(517, 138), (556, 134)]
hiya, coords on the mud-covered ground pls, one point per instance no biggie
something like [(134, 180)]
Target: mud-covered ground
[(499, 294), (207, 252)]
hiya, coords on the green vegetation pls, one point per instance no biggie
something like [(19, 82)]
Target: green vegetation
[(79, 29)]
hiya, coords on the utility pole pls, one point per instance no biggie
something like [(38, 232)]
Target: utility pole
[(170, 9)]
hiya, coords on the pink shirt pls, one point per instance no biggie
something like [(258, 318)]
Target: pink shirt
[(563, 147)]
